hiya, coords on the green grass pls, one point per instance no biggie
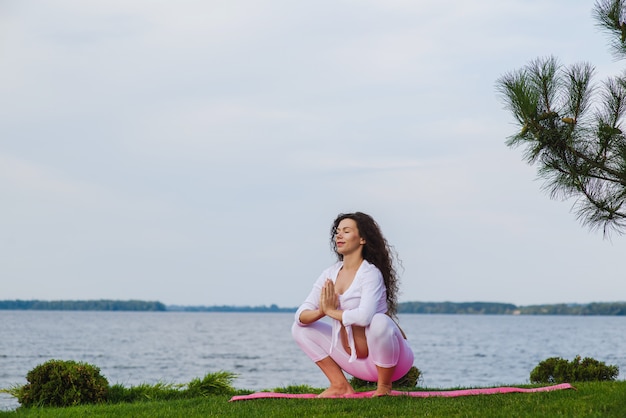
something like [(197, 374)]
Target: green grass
[(591, 399)]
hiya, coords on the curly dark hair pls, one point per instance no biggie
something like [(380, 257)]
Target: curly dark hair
[(376, 251)]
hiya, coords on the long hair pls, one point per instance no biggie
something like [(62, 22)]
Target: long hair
[(376, 251)]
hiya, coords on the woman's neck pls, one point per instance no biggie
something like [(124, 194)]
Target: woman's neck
[(352, 261)]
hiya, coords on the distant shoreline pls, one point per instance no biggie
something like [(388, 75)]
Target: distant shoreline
[(458, 308)]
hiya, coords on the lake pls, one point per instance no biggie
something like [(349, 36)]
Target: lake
[(175, 347)]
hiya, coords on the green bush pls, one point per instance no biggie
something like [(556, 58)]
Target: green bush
[(558, 370), (409, 380), (63, 383)]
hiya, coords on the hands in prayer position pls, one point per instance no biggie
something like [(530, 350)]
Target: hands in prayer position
[(329, 300)]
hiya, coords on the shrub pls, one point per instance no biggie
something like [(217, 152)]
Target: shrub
[(63, 383), (558, 370), (409, 380)]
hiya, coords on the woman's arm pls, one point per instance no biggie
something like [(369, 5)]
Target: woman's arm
[(309, 316)]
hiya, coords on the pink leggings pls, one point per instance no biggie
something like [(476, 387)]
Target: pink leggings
[(385, 343)]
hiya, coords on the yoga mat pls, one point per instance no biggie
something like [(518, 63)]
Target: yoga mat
[(416, 394)]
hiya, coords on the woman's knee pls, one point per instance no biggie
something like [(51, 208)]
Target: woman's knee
[(298, 332), (318, 332), (313, 339), (293, 327)]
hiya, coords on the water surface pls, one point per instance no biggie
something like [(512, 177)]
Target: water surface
[(175, 347)]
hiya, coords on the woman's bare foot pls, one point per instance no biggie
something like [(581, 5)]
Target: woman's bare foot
[(382, 390), (337, 391)]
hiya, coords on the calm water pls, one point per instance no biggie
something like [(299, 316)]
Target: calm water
[(147, 347)]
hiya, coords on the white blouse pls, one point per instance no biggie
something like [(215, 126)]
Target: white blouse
[(365, 297)]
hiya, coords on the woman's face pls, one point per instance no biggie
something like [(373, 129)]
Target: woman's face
[(347, 237)]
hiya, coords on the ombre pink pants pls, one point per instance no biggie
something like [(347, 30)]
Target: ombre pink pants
[(385, 343)]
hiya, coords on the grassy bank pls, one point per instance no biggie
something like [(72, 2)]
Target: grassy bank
[(592, 399)]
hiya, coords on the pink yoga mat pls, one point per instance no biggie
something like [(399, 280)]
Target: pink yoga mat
[(416, 394)]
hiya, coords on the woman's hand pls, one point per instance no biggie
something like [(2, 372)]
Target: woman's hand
[(328, 304), (329, 300)]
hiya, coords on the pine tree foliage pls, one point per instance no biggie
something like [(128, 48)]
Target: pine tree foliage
[(571, 127)]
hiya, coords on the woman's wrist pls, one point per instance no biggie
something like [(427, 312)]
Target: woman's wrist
[(335, 314)]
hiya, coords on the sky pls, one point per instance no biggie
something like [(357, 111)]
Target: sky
[(196, 152)]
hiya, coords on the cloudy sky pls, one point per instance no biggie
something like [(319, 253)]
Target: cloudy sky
[(196, 152)]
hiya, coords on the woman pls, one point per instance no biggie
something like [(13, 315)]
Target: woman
[(359, 294)]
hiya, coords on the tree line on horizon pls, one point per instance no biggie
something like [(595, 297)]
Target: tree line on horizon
[(491, 308), (458, 308), (83, 305)]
